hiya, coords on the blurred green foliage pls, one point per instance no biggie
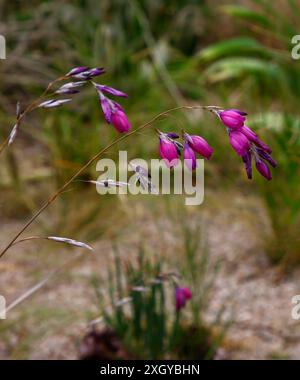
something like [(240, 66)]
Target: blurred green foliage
[(141, 311)]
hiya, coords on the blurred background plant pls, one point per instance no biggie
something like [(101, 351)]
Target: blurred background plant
[(146, 319)]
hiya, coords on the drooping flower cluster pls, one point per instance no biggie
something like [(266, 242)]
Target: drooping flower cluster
[(182, 295), (113, 112), (246, 142), (170, 149), (83, 73)]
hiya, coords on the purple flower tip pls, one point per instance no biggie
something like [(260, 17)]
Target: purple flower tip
[(77, 70), (233, 119), (120, 121), (263, 146), (111, 90), (200, 145), (267, 157), (263, 169), (238, 111), (106, 108), (182, 294), (95, 72), (251, 135), (189, 157), (85, 73), (247, 158), (168, 151), (172, 135)]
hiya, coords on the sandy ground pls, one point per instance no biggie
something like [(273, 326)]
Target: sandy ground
[(49, 324)]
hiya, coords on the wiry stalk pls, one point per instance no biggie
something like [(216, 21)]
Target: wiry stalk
[(30, 108), (58, 239), (93, 159), (41, 283)]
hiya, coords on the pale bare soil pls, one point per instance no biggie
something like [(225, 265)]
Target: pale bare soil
[(50, 323)]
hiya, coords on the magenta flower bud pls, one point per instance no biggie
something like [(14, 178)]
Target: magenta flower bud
[(189, 157), (247, 158), (232, 119), (187, 293), (120, 121), (113, 112), (251, 135), (201, 146), (181, 296), (168, 151), (263, 168), (239, 142), (180, 299)]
